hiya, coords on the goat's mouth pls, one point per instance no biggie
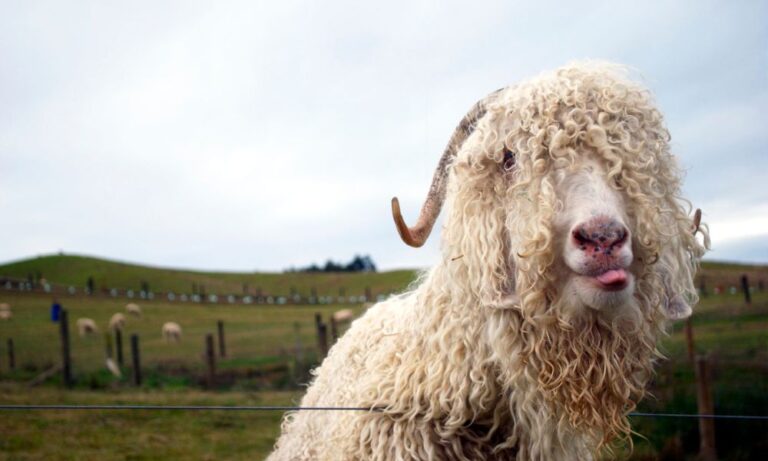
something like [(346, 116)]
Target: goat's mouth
[(611, 280)]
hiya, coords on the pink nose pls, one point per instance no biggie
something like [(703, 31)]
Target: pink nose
[(600, 234)]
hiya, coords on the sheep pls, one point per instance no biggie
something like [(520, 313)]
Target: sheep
[(5, 311), (86, 327), (343, 315), (171, 332), (566, 250), (133, 309), (117, 321)]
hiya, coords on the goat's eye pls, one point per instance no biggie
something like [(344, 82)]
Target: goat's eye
[(509, 160)]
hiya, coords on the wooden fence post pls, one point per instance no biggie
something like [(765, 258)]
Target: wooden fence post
[(119, 346), (222, 345), (368, 295), (136, 360), (210, 360), (334, 330), (66, 365), (689, 339), (745, 288), (299, 347), (108, 344), (707, 450), (11, 355), (322, 335)]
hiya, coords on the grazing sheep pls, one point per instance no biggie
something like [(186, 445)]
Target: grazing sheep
[(566, 248), (343, 315), (86, 327), (171, 332), (117, 322), (133, 309), (5, 311)]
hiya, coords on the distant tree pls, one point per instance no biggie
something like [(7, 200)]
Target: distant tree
[(358, 264)]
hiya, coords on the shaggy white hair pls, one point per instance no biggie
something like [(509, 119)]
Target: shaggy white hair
[(525, 341)]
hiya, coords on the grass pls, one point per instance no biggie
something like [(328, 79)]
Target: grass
[(138, 435)]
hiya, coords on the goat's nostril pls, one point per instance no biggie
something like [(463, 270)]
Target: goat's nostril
[(599, 235), (581, 236)]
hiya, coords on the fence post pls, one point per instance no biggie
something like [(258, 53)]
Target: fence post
[(334, 330), (368, 296), (11, 355), (108, 344), (707, 450), (745, 288), (119, 346), (689, 339), (322, 335), (222, 345), (210, 360), (136, 360), (66, 365), (299, 347)]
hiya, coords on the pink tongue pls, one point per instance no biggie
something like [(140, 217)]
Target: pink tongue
[(612, 277)]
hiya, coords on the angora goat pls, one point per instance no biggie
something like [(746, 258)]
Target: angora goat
[(566, 248)]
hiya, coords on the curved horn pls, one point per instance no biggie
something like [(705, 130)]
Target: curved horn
[(696, 220), (416, 236)]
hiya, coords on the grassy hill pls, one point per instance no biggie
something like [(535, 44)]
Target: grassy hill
[(75, 270)]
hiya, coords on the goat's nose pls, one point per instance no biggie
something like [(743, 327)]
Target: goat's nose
[(600, 234)]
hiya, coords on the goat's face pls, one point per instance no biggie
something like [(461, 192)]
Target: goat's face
[(564, 190), (594, 238)]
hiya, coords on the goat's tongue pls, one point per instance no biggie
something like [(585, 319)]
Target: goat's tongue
[(612, 277)]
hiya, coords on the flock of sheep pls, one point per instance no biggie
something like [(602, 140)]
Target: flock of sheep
[(171, 331)]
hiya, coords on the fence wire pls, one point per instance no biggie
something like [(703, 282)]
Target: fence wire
[(294, 408)]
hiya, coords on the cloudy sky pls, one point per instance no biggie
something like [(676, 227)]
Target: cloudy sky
[(262, 135)]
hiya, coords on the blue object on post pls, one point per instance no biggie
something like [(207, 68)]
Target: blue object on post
[(55, 311)]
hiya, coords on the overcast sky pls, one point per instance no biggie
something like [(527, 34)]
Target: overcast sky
[(263, 135)]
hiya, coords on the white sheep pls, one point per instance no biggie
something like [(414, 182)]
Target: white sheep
[(117, 322), (133, 309), (171, 332), (86, 327), (566, 247), (5, 311), (343, 315)]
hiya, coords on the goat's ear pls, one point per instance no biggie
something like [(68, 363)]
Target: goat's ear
[(475, 244)]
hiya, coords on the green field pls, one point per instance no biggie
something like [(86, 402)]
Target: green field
[(263, 367)]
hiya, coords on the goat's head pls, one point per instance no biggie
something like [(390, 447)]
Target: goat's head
[(562, 191)]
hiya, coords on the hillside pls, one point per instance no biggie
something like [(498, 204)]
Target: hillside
[(75, 270)]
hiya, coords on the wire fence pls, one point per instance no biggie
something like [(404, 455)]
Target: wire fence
[(296, 408)]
